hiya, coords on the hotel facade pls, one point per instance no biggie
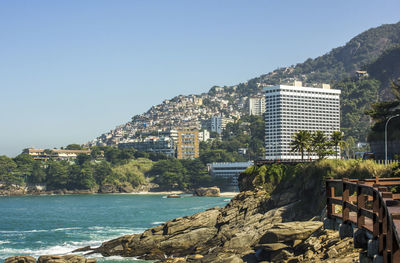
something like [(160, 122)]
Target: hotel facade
[(293, 108)]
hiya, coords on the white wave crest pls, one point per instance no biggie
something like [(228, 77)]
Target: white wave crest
[(157, 223), (66, 228)]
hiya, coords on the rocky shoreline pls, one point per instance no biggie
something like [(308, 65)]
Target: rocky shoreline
[(254, 226), (23, 191), (251, 228)]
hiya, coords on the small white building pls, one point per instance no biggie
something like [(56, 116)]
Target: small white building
[(204, 135), (256, 106)]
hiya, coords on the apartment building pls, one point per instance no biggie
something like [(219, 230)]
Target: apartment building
[(257, 106), (188, 145), (155, 144), (293, 108)]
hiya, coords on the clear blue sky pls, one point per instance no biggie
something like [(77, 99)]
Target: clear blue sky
[(71, 70)]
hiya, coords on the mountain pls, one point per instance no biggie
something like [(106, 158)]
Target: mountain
[(339, 64)]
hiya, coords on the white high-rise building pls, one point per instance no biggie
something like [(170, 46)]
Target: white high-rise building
[(293, 108), (257, 106)]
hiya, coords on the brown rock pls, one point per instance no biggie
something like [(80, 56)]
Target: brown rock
[(20, 259), (207, 191), (108, 188), (290, 231), (65, 259), (51, 259), (272, 246)]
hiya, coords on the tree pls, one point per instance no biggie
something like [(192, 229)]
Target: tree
[(101, 171), (7, 171), (73, 146), (349, 147), (38, 174), (82, 158), (216, 156), (57, 174), (337, 140), (81, 177), (169, 174), (320, 145), (301, 142), (197, 173)]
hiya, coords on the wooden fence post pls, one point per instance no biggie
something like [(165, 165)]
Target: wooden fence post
[(330, 193), (376, 210), (360, 204), (345, 199)]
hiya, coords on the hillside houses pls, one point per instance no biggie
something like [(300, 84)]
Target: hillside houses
[(179, 113)]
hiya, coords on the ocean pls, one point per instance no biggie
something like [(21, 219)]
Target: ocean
[(39, 225)]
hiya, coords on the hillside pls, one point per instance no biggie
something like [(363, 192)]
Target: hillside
[(194, 110)]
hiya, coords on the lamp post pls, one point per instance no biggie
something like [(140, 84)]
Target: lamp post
[(391, 117)]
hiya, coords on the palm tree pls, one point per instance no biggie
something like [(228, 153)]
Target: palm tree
[(320, 144), (301, 142), (337, 140)]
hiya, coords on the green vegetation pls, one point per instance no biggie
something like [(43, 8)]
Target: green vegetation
[(301, 142), (247, 132), (380, 113), (120, 168), (317, 143), (357, 97), (269, 177)]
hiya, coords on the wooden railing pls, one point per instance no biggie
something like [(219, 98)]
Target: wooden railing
[(370, 205)]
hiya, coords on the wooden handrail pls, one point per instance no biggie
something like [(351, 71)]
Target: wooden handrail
[(381, 217)]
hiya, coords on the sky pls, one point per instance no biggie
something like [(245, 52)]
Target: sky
[(72, 70)]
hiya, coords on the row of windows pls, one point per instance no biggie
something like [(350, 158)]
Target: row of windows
[(298, 91), (290, 96), (303, 100)]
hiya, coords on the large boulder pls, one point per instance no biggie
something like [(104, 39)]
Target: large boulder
[(290, 231), (207, 191), (108, 188), (20, 259), (65, 259)]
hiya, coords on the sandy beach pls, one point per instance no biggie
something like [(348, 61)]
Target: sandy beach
[(226, 194)]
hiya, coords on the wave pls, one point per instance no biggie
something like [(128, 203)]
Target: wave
[(116, 258), (4, 242), (227, 200), (157, 223), (116, 230), (65, 228), (23, 231), (51, 250)]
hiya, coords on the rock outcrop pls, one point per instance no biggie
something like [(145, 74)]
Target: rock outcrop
[(217, 235), (50, 259), (207, 191)]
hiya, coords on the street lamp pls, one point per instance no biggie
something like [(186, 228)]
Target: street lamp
[(391, 117)]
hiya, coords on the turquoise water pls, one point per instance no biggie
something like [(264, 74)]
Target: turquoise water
[(38, 225)]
